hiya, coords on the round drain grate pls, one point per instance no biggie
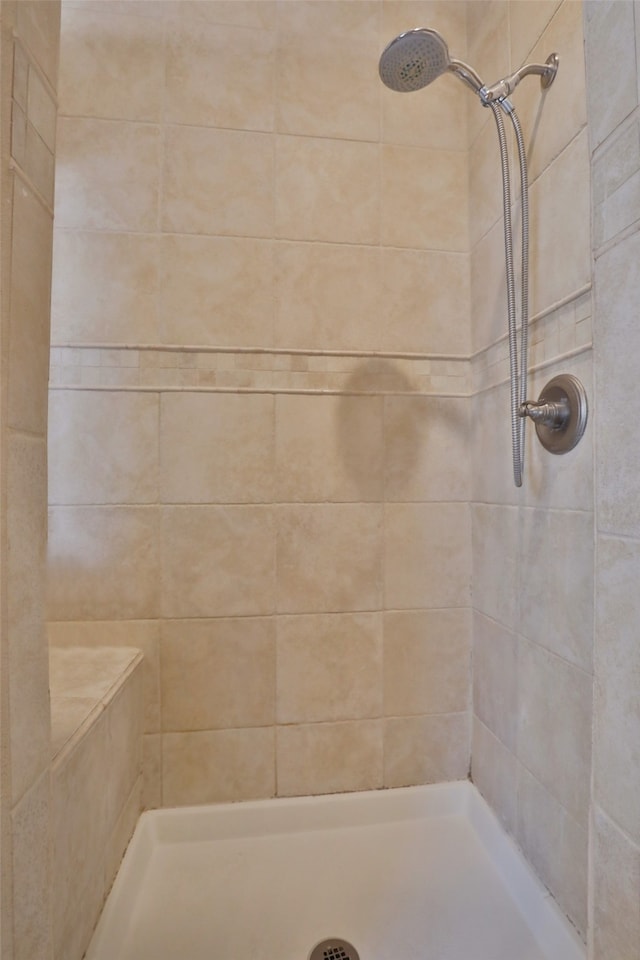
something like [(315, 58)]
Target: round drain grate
[(334, 949)]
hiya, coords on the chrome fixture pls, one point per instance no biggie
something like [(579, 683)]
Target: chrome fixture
[(412, 61), (560, 414)]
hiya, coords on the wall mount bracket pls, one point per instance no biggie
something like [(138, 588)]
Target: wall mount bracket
[(560, 413)]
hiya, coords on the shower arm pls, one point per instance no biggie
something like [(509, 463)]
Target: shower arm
[(505, 87)]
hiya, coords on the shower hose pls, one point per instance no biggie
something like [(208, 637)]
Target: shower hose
[(518, 380)]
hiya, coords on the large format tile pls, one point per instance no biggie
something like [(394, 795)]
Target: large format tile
[(426, 448), (103, 563), (617, 674), (103, 447), (327, 190), (329, 757), (617, 478), (198, 660), (218, 182), (427, 662), (339, 72), (107, 175), (220, 76), (427, 555), (615, 930), (329, 448), (216, 291), (409, 179), (429, 749), (100, 282), (329, 667), (216, 448), (218, 766), (329, 558), (328, 295), (556, 582), (495, 677), (217, 561), (98, 45), (555, 706)]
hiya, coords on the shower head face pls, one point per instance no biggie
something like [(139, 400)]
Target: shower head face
[(413, 60)]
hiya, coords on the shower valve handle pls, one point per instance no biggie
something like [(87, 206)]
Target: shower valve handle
[(553, 414)]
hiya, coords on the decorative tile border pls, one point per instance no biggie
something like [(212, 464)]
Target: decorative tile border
[(268, 371), (563, 330)]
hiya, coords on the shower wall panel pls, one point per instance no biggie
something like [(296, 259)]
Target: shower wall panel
[(28, 77), (613, 34), (259, 431), (533, 547)]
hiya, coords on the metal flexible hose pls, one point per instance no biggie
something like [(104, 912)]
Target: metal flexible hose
[(516, 422), (524, 275)]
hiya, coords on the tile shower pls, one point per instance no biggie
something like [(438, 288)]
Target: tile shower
[(310, 405), (262, 387)]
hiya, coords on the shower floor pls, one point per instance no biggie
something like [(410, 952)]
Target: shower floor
[(422, 873)]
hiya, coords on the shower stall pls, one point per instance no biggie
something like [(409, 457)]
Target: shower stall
[(279, 441)]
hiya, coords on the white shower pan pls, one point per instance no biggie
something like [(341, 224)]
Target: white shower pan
[(419, 873)]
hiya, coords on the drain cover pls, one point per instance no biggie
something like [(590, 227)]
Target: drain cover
[(334, 949)]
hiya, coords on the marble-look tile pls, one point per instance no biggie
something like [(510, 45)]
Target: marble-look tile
[(339, 72), (31, 875), (416, 283), (427, 555), (327, 190), (107, 175), (611, 94), (555, 706), (409, 176), (232, 197), (218, 766), (217, 291), (28, 327), (216, 448), (427, 662), (329, 557), (561, 223), (100, 281), (199, 661), (617, 479), (617, 675), (615, 927), (103, 447), (556, 845), (426, 449), (100, 44), (494, 773), (495, 562), (26, 662), (426, 749), (220, 76), (329, 667), (555, 587), (328, 295), (495, 677), (103, 563), (329, 757), (329, 448), (217, 561)]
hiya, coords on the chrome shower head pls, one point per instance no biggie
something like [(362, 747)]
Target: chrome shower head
[(417, 58), (413, 60)]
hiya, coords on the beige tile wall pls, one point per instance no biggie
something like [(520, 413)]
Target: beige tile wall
[(612, 32), (28, 75), (532, 551), (259, 422)]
